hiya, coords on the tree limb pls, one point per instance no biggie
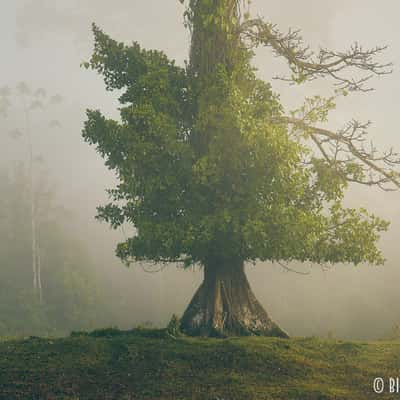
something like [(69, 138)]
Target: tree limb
[(306, 65), (288, 269), (346, 146)]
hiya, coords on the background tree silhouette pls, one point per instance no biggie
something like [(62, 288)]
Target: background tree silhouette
[(31, 101)]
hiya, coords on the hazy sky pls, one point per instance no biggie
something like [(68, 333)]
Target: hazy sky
[(43, 43)]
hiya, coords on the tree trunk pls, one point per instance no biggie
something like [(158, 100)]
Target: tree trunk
[(32, 199), (39, 274), (224, 305)]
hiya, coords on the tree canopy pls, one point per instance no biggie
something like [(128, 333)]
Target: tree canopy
[(209, 165)]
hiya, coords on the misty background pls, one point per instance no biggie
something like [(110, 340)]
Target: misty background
[(43, 43)]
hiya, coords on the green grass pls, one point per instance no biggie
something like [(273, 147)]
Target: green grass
[(148, 364)]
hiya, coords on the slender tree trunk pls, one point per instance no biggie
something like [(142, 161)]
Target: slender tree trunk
[(34, 245), (39, 273), (37, 285), (224, 305)]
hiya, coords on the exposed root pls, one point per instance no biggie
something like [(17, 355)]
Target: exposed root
[(224, 305)]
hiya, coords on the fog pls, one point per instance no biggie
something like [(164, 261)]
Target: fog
[(43, 43)]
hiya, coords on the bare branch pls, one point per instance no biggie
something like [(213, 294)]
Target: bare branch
[(306, 65), (146, 269), (286, 268), (160, 263), (348, 147)]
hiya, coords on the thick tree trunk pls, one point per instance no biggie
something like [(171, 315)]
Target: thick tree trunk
[(224, 305)]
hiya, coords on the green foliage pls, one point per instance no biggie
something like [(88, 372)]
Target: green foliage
[(173, 328), (203, 171)]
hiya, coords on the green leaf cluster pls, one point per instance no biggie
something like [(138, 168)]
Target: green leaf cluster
[(203, 172)]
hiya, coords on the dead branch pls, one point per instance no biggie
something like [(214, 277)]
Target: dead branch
[(288, 269), (348, 146), (307, 65)]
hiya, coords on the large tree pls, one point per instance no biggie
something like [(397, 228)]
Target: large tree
[(213, 173)]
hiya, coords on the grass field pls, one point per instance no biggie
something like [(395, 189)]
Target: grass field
[(149, 364)]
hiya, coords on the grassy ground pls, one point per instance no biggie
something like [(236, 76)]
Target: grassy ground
[(148, 364)]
